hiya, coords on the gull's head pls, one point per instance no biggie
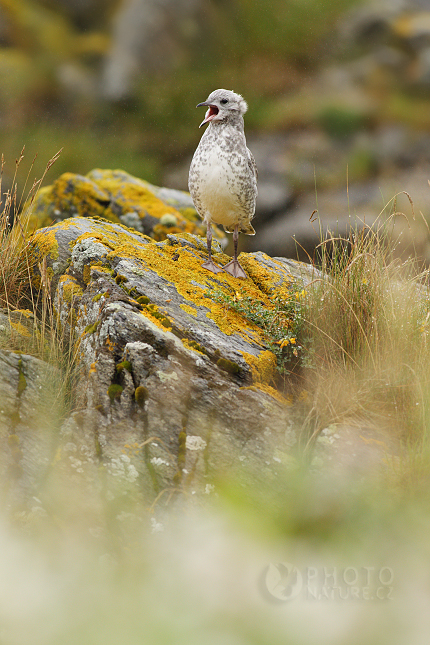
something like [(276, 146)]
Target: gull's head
[(222, 105)]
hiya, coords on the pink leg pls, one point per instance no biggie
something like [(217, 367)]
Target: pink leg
[(210, 264), (233, 267)]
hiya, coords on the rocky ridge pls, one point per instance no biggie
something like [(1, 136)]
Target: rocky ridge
[(172, 386)]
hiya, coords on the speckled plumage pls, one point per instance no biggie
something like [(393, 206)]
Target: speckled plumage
[(223, 174)]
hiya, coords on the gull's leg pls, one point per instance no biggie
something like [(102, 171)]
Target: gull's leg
[(233, 267), (210, 264)]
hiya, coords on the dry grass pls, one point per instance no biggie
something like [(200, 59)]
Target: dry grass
[(33, 324), (14, 244), (367, 318)]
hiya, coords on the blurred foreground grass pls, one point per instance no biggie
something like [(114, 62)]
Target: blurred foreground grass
[(80, 566)]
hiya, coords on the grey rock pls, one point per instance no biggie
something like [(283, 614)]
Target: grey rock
[(30, 409), (156, 365)]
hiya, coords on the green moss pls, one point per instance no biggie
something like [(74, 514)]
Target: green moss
[(120, 279), (192, 344), (153, 310), (97, 297), (114, 391), (228, 366), (91, 329), (141, 395), (22, 381), (125, 365), (143, 300), (20, 329)]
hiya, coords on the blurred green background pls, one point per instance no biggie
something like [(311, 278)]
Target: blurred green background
[(338, 94), (116, 82)]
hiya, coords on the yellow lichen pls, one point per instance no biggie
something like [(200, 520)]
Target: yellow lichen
[(271, 391), (187, 270), (44, 243), (70, 289), (20, 329), (263, 366), (268, 281), (191, 344), (189, 310), (25, 312), (79, 195), (158, 319), (181, 265), (86, 273)]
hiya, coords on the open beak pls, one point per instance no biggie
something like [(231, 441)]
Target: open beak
[(210, 114)]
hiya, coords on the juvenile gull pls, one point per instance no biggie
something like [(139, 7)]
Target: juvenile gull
[(223, 174)]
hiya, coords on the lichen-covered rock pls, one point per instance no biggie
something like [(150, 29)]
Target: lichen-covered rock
[(29, 411), (187, 382), (19, 323), (120, 198)]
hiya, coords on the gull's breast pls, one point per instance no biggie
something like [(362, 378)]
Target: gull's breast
[(219, 184)]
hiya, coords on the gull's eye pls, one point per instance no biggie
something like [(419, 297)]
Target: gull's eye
[(224, 101)]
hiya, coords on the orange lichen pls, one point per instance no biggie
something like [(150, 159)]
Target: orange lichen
[(109, 343)]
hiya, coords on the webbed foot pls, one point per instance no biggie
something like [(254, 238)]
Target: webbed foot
[(211, 266), (234, 268)]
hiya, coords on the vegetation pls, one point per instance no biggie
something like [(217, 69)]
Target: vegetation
[(281, 323), (354, 344), (32, 326), (367, 318), (362, 326)]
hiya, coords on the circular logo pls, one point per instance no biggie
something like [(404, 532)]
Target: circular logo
[(280, 582)]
